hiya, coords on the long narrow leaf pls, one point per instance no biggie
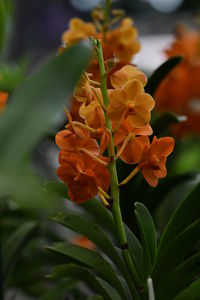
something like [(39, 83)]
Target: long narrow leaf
[(176, 252), (96, 212), (177, 280), (35, 105), (93, 232), (159, 74), (148, 235), (12, 246), (186, 213), (192, 292), (79, 273), (92, 260), (60, 290)]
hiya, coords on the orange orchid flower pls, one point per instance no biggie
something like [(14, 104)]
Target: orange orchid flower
[(153, 160), (83, 176), (130, 101), (69, 142), (83, 91), (125, 74), (179, 91), (3, 100), (123, 40), (94, 117), (131, 141), (78, 30)]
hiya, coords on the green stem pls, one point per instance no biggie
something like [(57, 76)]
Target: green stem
[(106, 17), (113, 174)]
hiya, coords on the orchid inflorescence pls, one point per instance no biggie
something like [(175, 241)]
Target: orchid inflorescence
[(115, 125), (109, 120)]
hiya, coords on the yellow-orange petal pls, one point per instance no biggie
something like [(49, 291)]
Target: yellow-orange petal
[(150, 177), (140, 119), (144, 102), (132, 152), (117, 105), (163, 146), (133, 88), (126, 73)]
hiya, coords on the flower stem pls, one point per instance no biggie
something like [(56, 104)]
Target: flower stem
[(130, 176), (113, 174)]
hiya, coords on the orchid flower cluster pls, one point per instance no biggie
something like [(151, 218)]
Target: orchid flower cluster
[(115, 126), (179, 92)]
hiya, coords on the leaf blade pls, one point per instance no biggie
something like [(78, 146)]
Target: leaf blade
[(92, 260), (37, 96), (148, 235), (160, 73), (79, 273)]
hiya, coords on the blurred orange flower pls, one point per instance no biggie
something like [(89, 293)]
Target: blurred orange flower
[(84, 242), (78, 30), (180, 90), (3, 100), (153, 160), (123, 40)]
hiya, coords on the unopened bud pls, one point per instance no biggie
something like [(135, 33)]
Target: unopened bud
[(111, 63)]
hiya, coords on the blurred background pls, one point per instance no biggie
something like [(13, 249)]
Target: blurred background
[(36, 27)]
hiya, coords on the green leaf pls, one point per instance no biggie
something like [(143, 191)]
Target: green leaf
[(26, 189), (82, 274), (191, 292), (94, 233), (177, 280), (35, 105), (93, 209), (186, 213), (158, 76), (58, 188), (136, 252), (96, 212), (2, 23), (97, 297), (11, 77), (176, 252), (12, 247), (59, 291), (104, 218), (100, 215), (91, 259), (148, 235)]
